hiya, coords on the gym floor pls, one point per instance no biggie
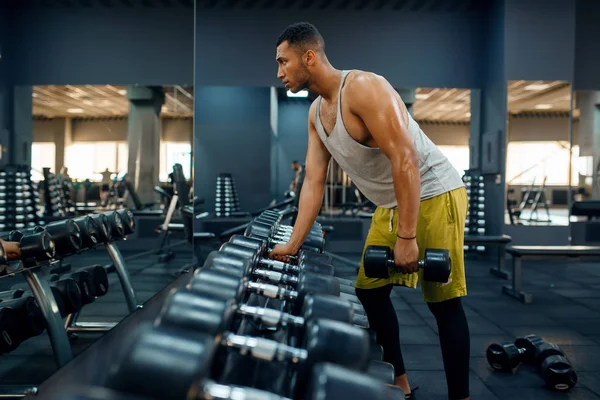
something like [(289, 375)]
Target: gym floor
[(565, 311)]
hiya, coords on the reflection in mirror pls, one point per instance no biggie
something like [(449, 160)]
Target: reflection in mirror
[(538, 151), (98, 148), (585, 163)]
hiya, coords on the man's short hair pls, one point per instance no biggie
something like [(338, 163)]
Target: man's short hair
[(303, 36)]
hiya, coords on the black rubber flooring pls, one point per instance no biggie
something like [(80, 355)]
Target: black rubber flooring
[(565, 311)]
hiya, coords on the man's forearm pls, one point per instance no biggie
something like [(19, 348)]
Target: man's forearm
[(407, 185), (311, 199)]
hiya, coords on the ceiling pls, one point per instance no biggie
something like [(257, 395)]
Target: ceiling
[(524, 97), (433, 105), (318, 5), (103, 101)]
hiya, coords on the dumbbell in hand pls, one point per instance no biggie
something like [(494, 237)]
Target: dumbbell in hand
[(145, 368), (436, 265), (507, 356), (261, 245), (254, 255)]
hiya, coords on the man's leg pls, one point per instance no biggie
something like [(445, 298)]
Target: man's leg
[(441, 226), (374, 294)]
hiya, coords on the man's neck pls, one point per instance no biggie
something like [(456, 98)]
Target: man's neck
[(326, 82)]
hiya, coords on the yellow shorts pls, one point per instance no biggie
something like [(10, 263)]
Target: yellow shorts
[(441, 225)]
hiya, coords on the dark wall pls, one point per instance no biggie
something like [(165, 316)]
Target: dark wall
[(587, 56), (411, 49), (99, 45), (540, 47), (292, 139), (232, 133)]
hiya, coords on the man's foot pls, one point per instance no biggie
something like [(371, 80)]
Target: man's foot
[(402, 382)]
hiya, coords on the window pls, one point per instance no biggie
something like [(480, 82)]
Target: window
[(173, 153), (43, 155), (529, 161), (86, 160), (458, 156)]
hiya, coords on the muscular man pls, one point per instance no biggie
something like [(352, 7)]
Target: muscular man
[(360, 120)]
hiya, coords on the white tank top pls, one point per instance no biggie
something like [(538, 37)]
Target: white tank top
[(371, 170)]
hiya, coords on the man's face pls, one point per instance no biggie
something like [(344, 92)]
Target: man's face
[(292, 71)]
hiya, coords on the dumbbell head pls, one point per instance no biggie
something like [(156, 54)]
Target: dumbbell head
[(90, 235), (162, 362), (86, 286), (99, 278), (65, 234), (558, 373), (217, 284), (128, 221), (530, 345), (503, 357), (117, 230), (36, 247), (327, 306), (104, 227), (189, 310)]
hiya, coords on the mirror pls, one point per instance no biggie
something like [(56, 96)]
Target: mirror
[(538, 173)]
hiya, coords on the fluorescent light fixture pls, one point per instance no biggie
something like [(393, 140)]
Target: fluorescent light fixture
[(422, 96), (76, 110), (467, 114), (302, 93), (164, 109), (34, 95), (537, 86), (122, 92), (543, 106)]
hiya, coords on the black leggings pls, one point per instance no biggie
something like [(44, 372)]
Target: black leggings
[(452, 327)]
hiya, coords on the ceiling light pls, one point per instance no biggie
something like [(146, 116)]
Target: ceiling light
[(467, 114), (88, 102), (422, 96), (122, 92), (537, 86), (302, 93), (164, 109), (543, 106), (34, 95), (76, 110)]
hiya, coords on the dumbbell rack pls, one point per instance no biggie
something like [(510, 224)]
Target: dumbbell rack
[(226, 197), (54, 202), (37, 278), (475, 221), (19, 198)]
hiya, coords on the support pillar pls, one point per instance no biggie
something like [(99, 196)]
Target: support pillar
[(143, 137), (588, 103), (62, 142)]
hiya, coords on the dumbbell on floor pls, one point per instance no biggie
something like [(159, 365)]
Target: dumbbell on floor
[(507, 356), (308, 301), (436, 265), (557, 372), (145, 369)]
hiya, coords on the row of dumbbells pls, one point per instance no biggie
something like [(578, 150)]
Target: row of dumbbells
[(556, 371), (21, 317), (325, 354), (226, 196)]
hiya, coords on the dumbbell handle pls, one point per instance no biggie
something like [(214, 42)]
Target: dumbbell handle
[(279, 266), (392, 264), (217, 391), (271, 317), (272, 291), (264, 349), (276, 277)]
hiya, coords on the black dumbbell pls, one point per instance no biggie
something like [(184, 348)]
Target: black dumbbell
[(145, 369), (115, 222), (67, 294), (256, 259), (557, 372), (309, 298), (9, 321), (436, 265), (29, 316), (507, 356), (323, 339), (31, 249), (66, 235), (265, 231), (263, 248), (128, 221), (89, 231), (241, 267)]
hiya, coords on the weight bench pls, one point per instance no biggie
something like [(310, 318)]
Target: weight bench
[(499, 241), (520, 253)]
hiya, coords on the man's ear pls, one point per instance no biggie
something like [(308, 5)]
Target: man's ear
[(309, 58)]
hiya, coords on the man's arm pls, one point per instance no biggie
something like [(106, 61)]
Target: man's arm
[(379, 106), (311, 194)]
